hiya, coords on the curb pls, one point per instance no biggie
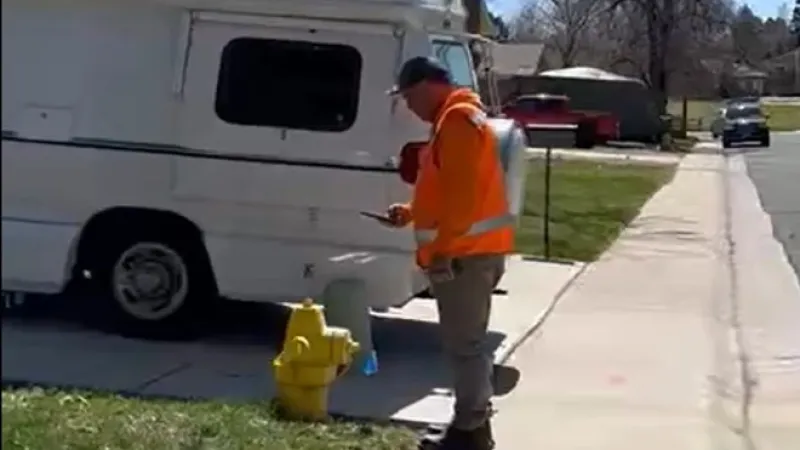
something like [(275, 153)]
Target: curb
[(504, 355)]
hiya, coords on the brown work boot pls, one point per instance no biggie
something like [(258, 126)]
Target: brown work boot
[(455, 439)]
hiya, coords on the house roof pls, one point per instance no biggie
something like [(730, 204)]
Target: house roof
[(587, 73), (721, 66), (744, 71), (516, 59), (788, 59), (714, 65)]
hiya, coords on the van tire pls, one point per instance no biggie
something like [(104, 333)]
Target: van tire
[(121, 264)]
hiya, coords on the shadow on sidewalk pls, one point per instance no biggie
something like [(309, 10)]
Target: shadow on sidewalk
[(44, 343)]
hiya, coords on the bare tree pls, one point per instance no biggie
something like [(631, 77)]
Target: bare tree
[(650, 39), (746, 33), (567, 23), (562, 24), (617, 39), (795, 22), (663, 20), (783, 12), (528, 24)]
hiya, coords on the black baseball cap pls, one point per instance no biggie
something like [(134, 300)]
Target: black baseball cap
[(420, 69)]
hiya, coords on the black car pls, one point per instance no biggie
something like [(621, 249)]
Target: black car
[(742, 123)]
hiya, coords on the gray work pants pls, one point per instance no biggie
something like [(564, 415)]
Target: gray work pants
[(464, 305)]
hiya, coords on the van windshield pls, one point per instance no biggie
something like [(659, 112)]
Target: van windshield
[(456, 57)]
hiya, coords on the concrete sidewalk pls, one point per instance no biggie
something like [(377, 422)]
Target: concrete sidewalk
[(608, 154), (650, 347)]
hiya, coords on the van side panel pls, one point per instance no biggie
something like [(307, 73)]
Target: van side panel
[(91, 120)]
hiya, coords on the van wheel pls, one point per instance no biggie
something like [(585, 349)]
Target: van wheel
[(150, 284)]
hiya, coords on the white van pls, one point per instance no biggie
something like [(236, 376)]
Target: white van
[(162, 152)]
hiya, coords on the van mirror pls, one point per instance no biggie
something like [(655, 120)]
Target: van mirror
[(409, 161)]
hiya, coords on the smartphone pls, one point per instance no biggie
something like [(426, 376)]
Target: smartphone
[(382, 218)]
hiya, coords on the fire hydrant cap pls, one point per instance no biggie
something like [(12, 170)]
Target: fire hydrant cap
[(307, 303)]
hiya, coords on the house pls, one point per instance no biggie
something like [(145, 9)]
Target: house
[(520, 69), (590, 89), (784, 73), (730, 79), (514, 66), (748, 80)]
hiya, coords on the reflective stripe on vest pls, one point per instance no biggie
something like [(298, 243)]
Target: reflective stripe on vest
[(426, 236)]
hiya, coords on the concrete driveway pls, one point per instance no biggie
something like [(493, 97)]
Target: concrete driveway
[(42, 345), (776, 174)]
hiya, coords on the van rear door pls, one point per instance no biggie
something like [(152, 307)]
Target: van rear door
[(300, 95)]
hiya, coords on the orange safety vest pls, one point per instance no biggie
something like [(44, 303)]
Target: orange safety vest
[(490, 227)]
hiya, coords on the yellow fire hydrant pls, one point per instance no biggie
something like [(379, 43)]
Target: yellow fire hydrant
[(313, 356)]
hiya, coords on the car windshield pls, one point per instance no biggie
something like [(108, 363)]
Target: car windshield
[(744, 112)]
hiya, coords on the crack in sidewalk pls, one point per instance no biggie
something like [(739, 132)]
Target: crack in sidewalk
[(153, 380)]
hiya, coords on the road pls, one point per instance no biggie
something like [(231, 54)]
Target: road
[(776, 174)]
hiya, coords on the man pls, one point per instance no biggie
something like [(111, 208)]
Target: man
[(463, 230)]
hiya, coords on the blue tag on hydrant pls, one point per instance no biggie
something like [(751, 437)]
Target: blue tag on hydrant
[(370, 366)]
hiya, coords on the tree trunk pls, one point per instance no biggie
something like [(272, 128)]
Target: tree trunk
[(473, 8), (659, 32)]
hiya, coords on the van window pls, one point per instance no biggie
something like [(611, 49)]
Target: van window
[(455, 56), (288, 84)]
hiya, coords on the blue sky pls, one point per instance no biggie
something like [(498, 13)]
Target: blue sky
[(764, 8)]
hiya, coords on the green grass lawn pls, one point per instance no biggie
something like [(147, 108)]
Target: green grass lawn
[(51, 420), (783, 117), (591, 202), (700, 113)]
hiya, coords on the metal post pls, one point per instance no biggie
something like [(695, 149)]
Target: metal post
[(547, 136), (685, 118), (546, 225)]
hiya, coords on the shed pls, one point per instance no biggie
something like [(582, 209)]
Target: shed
[(592, 89)]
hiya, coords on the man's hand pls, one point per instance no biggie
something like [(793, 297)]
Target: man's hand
[(399, 214), (440, 269)]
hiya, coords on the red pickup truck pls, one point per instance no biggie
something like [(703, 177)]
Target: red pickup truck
[(594, 128)]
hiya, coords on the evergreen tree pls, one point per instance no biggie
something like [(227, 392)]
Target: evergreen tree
[(794, 24)]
